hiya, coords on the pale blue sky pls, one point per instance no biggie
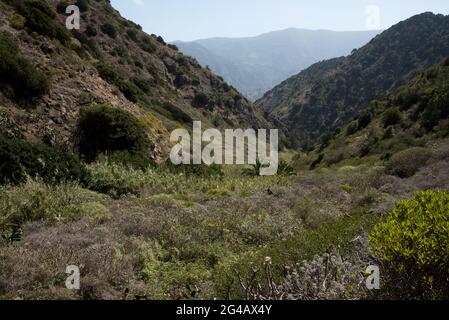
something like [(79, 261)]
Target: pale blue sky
[(196, 19)]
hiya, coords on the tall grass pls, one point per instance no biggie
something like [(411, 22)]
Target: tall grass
[(35, 201), (117, 180)]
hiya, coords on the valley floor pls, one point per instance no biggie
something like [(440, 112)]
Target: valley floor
[(301, 237)]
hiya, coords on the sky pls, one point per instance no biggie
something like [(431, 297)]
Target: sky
[(189, 20)]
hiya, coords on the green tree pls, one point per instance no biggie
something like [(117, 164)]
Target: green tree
[(103, 129)]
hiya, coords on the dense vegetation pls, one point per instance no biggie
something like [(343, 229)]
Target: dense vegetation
[(328, 94), (397, 128), (21, 159), (413, 243), (102, 129), (18, 74), (40, 18)]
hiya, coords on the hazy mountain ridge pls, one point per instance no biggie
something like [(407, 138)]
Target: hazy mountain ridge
[(310, 103), (256, 64)]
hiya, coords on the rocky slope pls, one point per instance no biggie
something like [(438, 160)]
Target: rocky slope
[(109, 60), (328, 94)]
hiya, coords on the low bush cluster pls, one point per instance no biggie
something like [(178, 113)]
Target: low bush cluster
[(40, 18), (391, 116), (413, 243), (406, 163), (109, 29), (102, 129), (21, 159), (436, 109), (17, 74), (111, 75)]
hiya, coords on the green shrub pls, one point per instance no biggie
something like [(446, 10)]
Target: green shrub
[(132, 34), (141, 83), (87, 44), (177, 113), (62, 6), (196, 82), (109, 30), (148, 47), (160, 40), (120, 51), (83, 5), (253, 170), (111, 75), (316, 162), (91, 31), (352, 128), (107, 72), (437, 108), (18, 74), (413, 242), (174, 47), (285, 169), (200, 100), (17, 21), (406, 163), (364, 120), (391, 117), (20, 159), (41, 18), (103, 128), (129, 90), (446, 62)]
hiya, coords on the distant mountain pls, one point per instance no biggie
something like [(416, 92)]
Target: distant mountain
[(256, 64), (328, 94)]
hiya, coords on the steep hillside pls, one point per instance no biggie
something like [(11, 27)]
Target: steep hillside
[(256, 64), (413, 118), (110, 60), (327, 95)]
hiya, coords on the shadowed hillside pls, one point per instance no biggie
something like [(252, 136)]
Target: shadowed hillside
[(328, 94)]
